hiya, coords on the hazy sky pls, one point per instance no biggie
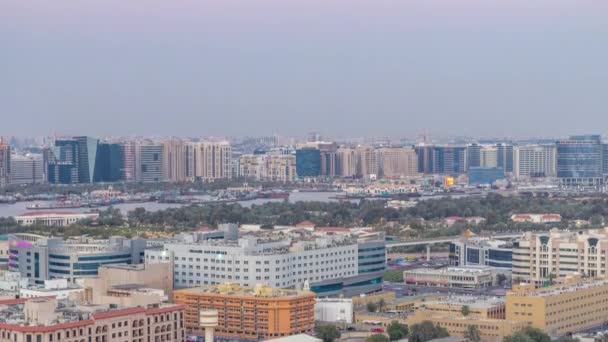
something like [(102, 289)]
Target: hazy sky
[(340, 67)]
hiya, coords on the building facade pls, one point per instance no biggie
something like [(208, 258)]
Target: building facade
[(151, 158), (40, 258), (535, 161), (481, 252), (398, 162), (540, 257), (579, 161), (330, 265), (5, 164), (50, 320), (255, 313), (27, 169), (453, 277)]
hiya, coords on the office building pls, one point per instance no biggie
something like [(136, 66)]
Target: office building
[(576, 305), (330, 264), (485, 175), (151, 158), (5, 164), (398, 162), (174, 160), (346, 162), (256, 312), (327, 158), (63, 162), (367, 165), (535, 161), (27, 169), (308, 162), (452, 277), (539, 257), (481, 252), (209, 160), (579, 161), (87, 156), (52, 320), (473, 155), (504, 157), (109, 163), (40, 258), (448, 160), (488, 156)]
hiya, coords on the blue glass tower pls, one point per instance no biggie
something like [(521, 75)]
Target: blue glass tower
[(308, 162), (580, 161)]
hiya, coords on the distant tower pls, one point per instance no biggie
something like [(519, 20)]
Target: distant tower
[(208, 320)]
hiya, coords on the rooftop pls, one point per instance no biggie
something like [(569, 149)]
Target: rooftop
[(472, 301), (452, 270), (233, 289), (561, 289)]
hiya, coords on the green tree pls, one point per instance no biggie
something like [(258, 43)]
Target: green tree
[(394, 276), (328, 333), (465, 310), (596, 220), (377, 338), (381, 304), (372, 307), (536, 334), (425, 331), (472, 333), (518, 337), (397, 331)]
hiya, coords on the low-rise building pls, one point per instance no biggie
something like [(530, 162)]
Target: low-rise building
[(486, 313), (460, 277), (258, 312), (476, 251), (536, 218), (56, 288), (335, 310), (53, 218)]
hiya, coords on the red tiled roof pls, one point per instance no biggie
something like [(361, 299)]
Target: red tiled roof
[(118, 313), (305, 224)]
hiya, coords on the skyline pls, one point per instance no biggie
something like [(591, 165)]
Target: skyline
[(343, 68)]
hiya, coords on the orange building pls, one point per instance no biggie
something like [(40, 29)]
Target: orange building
[(249, 312)]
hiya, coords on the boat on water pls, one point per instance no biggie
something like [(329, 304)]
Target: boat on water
[(273, 194), (56, 205)]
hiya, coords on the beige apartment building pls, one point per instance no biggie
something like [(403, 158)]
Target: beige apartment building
[(367, 164), (538, 257), (398, 162), (209, 160), (174, 160), (268, 167), (346, 162)]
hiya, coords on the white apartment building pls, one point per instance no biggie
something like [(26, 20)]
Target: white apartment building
[(535, 161)]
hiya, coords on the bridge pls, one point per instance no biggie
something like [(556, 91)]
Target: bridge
[(434, 241)]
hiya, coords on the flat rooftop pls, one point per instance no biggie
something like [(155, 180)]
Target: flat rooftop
[(451, 270), (232, 289), (472, 301)]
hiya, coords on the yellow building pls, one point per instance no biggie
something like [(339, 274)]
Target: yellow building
[(573, 306), (488, 314)]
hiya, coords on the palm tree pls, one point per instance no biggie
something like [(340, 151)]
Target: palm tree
[(472, 333)]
